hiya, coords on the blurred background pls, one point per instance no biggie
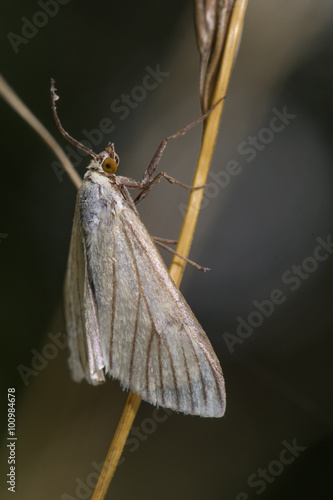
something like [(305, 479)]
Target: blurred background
[(258, 232)]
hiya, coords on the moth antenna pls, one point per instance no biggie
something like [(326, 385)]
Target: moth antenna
[(69, 138)]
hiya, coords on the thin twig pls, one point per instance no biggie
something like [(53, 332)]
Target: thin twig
[(185, 239), (117, 445), (9, 95), (212, 22)]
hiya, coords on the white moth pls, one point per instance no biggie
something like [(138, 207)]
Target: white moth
[(124, 315)]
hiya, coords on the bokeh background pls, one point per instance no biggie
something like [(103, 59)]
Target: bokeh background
[(252, 230)]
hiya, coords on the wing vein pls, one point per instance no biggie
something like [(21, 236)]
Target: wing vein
[(154, 330), (187, 374), (113, 306), (204, 392), (134, 338)]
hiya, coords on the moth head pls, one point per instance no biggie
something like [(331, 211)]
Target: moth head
[(108, 161)]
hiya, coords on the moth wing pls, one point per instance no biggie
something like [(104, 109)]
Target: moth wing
[(86, 360), (127, 317), (156, 346)]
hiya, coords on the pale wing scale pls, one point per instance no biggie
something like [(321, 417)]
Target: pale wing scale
[(146, 333), (86, 359), (73, 294), (126, 301), (192, 379)]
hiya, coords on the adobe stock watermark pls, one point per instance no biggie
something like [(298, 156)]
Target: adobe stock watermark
[(30, 27), (291, 280), (248, 148), (40, 360), (121, 107), (138, 434), (263, 477)]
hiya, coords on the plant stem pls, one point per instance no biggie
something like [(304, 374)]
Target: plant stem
[(13, 99)]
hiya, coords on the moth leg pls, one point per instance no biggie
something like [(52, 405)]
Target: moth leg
[(148, 181), (130, 183), (147, 186), (194, 264), (165, 240), (147, 176)]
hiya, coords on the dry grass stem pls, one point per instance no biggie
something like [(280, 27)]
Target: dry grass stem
[(208, 140), (211, 21), (9, 95), (117, 445)]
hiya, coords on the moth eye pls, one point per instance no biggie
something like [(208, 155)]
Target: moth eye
[(109, 165)]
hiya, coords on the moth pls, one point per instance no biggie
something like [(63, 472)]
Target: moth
[(124, 315)]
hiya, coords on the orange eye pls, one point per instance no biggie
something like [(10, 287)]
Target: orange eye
[(109, 165)]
